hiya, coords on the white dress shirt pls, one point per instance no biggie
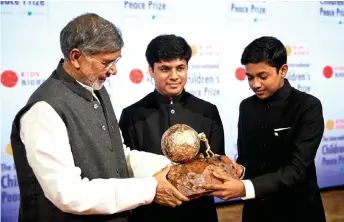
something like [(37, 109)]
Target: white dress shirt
[(48, 151)]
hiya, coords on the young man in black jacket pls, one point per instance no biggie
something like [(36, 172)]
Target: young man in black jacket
[(279, 132), (144, 122)]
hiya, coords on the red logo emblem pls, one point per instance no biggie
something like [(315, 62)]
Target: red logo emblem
[(328, 71), (136, 76), (240, 73), (9, 78)]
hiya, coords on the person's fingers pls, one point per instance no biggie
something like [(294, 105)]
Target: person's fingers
[(220, 194), (227, 197), (239, 170), (220, 171), (180, 196), (221, 176), (178, 202), (212, 186), (171, 204), (166, 170), (162, 174)]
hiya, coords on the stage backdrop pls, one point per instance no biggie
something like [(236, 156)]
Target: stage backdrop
[(217, 31)]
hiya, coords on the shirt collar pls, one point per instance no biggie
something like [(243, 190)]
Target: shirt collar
[(61, 74), (89, 88), (167, 99), (281, 93)]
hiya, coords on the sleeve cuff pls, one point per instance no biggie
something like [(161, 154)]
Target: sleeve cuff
[(150, 189), (249, 188), (129, 196)]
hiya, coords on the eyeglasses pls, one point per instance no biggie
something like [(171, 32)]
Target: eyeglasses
[(107, 65)]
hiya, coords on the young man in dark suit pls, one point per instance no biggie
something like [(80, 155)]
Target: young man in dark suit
[(144, 122), (279, 132)]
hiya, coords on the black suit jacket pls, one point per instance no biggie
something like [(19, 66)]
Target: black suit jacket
[(277, 142), (143, 124)]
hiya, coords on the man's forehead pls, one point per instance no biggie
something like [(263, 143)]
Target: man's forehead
[(172, 62), (257, 69)]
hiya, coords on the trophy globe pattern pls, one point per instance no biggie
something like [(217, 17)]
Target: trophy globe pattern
[(180, 143)]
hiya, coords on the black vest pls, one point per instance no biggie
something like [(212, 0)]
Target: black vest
[(94, 138)]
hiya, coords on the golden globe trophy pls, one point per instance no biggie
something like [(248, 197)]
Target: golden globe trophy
[(180, 144)]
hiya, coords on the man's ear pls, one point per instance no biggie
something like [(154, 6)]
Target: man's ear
[(284, 70), (151, 72), (74, 57)]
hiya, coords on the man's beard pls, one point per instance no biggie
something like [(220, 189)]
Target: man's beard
[(96, 85)]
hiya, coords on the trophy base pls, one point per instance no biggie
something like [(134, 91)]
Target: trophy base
[(190, 176)]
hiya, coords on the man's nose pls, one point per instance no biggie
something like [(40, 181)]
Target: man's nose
[(256, 84), (113, 69), (174, 74)]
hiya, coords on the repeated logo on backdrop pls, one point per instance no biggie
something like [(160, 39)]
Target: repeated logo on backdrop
[(136, 76), (248, 11), (332, 147), (23, 8), (299, 72), (240, 73), (335, 124), (10, 78), (204, 71), (333, 71)]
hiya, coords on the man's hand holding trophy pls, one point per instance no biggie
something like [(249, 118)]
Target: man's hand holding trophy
[(192, 172)]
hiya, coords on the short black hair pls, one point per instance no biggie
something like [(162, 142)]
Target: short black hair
[(265, 49), (167, 47)]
